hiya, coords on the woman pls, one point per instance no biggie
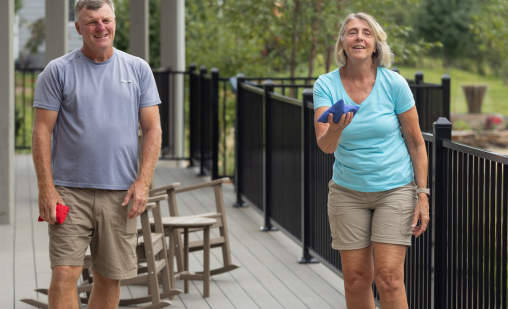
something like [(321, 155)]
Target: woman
[(374, 204)]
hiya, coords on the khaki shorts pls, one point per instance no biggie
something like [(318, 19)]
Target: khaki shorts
[(359, 218), (96, 218)]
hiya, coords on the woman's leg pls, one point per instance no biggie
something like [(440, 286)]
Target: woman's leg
[(358, 272), (389, 275)]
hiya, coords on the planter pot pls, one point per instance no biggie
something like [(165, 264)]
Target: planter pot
[(474, 96)]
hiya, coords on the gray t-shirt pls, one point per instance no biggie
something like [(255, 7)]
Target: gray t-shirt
[(95, 139)]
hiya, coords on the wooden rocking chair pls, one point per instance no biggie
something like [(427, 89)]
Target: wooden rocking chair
[(220, 215), (152, 249)]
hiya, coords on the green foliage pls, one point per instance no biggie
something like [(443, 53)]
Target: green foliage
[(447, 21), (271, 38), (461, 125), (18, 4), (122, 18), (495, 97), (154, 34), (122, 34), (491, 30), (37, 36), (19, 119)]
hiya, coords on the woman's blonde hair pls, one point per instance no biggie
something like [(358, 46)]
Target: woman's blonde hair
[(383, 56)]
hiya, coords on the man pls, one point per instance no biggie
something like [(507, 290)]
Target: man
[(88, 104)]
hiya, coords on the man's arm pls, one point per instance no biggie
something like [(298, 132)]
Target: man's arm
[(44, 122), (152, 137)]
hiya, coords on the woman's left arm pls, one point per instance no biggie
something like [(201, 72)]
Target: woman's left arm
[(416, 148)]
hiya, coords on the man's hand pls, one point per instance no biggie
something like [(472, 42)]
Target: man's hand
[(48, 198), (421, 213), (138, 192)]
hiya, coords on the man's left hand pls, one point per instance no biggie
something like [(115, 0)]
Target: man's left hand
[(139, 195)]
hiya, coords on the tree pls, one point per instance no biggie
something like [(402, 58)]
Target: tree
[(446, 21), (490, 29), (270, 37), (121, 41), (18, 4)]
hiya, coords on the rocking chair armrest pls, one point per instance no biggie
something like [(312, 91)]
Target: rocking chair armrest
[(203, 185), (164, 189), (150, 205), (157, 198)]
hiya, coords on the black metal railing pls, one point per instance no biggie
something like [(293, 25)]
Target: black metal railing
[(459, 262), (204, 120), (283, 145), (24, 84), (475, 205), (249, 171), (166, 81)]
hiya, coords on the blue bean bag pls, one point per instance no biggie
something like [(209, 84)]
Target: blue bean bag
[(337, 110)]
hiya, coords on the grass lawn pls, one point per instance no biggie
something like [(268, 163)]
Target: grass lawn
[(496, 97)]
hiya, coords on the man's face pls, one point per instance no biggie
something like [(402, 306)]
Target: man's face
[(97, 28)]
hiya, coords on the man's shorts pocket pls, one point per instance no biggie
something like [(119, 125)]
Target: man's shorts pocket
[(126, 225)]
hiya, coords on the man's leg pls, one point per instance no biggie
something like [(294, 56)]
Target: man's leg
[(63, 293), (105, 293), (389, 275), (358, 273)]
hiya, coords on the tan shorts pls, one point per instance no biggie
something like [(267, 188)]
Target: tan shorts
[(359, 218), (96, 218)]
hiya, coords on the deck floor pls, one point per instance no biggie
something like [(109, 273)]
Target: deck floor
[(269, 276)]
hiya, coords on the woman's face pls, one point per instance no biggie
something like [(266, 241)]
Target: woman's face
[(359, 42)]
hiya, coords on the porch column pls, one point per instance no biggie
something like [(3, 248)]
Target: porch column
[(6, 112), (57, 21), (172, 49), (139, 33)]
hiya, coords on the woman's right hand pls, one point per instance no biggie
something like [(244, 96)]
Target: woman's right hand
[(328, 134), (344, 121)]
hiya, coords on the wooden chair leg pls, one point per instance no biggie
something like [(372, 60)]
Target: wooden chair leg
[(171, 259), (186, 257), (206, 262)]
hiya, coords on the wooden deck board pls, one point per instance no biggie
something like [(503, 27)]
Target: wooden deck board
[(24, 256), (269, 276), (268, 257)]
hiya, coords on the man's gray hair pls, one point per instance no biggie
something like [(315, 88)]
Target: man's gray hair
[(93, 5)]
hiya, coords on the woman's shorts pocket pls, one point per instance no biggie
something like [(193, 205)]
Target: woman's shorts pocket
[(334, 224), (407, 211)]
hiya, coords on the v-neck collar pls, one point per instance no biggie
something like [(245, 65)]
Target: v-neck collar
[(366, 100)]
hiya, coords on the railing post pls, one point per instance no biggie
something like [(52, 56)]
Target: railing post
[(202, 72), (215, 123), (238, 143), (268, 173), (192, 120), (420, 106), (419, 77), (442, 131), (445, 82), (306, 257)]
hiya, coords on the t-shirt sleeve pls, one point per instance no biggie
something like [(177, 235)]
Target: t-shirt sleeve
[(48, 88), (403, 97), (149, 92), (321, 94)]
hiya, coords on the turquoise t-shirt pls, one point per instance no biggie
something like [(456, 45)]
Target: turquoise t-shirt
[(371, 155)]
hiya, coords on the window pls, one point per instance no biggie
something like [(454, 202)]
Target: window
[(72, 18)]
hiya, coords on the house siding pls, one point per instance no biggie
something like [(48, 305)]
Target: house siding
[(31, 11)]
